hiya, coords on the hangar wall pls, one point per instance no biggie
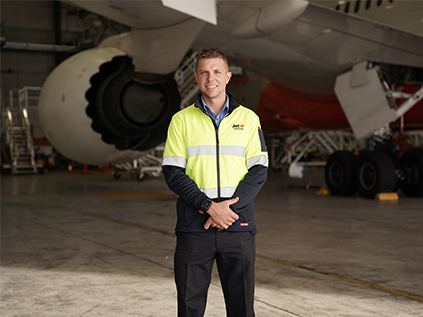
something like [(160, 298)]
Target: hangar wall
[(25, 22), (29, 22), (50, 23)]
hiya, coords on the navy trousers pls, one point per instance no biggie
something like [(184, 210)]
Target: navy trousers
[(235, 257)]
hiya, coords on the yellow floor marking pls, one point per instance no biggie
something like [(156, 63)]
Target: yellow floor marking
[(93, 172), (135, 195), (352, 280)]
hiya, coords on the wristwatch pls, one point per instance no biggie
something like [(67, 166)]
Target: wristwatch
[(205, 206)]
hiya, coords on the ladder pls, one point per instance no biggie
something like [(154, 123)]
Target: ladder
[(184, 77), (18, 152)]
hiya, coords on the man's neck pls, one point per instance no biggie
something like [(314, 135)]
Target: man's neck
[(215, 105)]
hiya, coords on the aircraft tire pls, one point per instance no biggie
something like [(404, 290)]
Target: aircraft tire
[(375, 174), (412, 166), (339, 173)]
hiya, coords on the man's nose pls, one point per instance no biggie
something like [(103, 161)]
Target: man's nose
[(210, 76)]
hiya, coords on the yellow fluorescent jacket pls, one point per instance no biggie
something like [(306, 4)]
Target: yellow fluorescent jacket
[(216, 160)]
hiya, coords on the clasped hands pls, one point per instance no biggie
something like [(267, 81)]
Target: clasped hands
[(221, 216)]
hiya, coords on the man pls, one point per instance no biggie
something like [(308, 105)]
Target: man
[(215, 160)]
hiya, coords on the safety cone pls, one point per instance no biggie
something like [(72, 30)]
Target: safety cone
[(70, 168)]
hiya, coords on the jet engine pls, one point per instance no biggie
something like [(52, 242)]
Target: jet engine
[(95, 108)]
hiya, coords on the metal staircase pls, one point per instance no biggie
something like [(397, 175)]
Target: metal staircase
[(184, 77), (18, 153)]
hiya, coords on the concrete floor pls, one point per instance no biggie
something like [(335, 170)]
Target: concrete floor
[(90, 245)]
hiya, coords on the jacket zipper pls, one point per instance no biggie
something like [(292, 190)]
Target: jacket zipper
[(216, 128)]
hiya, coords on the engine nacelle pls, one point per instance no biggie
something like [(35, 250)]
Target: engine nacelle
[(95, 109)]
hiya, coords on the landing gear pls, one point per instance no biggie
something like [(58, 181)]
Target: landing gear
[(375, 174), (411, 165), (371, 105), (339, 173)]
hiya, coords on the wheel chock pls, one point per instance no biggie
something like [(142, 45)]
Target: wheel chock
[(387, 196), (323, 192)]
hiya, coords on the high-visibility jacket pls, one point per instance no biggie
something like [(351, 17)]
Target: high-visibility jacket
[(221, 162)]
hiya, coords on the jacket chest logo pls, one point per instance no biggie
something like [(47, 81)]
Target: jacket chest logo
[(239, 126)]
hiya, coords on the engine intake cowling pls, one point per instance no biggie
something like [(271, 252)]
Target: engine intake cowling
[(94, 108), (131, 110)]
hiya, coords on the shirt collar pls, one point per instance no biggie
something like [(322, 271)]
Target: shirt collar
[(225, 108)]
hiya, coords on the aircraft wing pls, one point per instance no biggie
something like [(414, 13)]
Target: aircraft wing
[(296, 42), (308, 49)]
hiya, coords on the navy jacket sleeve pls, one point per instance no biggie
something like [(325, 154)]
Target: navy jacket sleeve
[(249, 187), (183, 186)]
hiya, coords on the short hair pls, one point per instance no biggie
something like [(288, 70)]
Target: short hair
[(211, 52)]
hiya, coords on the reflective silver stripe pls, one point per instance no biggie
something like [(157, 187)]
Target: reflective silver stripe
[(232, 150), (210, 192), (225, 192), (175, 161), (258, 160), (211, 150), (201, 150)]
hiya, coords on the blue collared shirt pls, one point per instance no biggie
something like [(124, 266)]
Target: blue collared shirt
[(221, 114)]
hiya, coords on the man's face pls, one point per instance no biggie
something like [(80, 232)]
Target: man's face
[(212, 77)]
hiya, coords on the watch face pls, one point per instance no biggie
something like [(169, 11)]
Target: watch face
[(206, 205)]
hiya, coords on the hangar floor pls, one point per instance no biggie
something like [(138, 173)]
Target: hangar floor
[(89, 245)]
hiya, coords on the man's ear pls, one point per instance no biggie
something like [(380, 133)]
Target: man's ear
[(229, 76)]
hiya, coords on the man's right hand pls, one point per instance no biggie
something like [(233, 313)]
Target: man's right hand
[(221, 216)]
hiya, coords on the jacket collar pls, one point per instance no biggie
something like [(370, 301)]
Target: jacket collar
[(233, 103)]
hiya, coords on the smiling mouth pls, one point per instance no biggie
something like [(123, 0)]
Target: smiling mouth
[(211, 87)]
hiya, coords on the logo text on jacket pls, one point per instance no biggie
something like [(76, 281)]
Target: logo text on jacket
[(238, 126)]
